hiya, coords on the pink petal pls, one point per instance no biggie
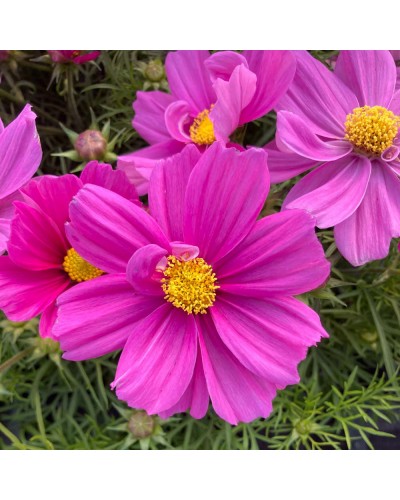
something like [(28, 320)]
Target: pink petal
[(177, 121), (237, 394), (84, 58), (232, 97), (370, 74), (275, 70), (366, 234), (283, 165), (333, 191), (222, 179), (281, 255), (106, 229), (20, 152), (47, 320), (157, 363), (141, 270), (138, 166), (102, 174), (221, 64), (96, 317), (296, 134), (149, 119), (7, 212), (189, 80), (269, 337), (395, 104), (319, 97), (4, 234), (24, 294), (167, 191)]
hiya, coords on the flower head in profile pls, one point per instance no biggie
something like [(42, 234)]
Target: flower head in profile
[(73, 56), (199, 293), (20, 157), (41, 262), (348, 122), (211, 96)]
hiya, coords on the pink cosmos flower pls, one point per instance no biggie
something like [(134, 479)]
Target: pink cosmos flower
[(73, 56), (41, 263), (348, 122), (199, 294), (211, 96), (20, 157)]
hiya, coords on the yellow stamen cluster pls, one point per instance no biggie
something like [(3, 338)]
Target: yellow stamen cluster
[(78, 268), (202, 129), (371, 129), (189, 285)]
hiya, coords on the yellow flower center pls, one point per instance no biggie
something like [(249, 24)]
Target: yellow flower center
[(202, 129), (371, 130), (189, 285), (78, 268)]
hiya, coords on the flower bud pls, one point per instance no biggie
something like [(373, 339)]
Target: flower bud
[(141, 425), (91, 145), (154, 71)]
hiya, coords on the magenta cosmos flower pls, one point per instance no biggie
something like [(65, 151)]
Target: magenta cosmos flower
[(73, 56), (348, 122), (199, 294), (41, 263), (211, 96), (20, 157)]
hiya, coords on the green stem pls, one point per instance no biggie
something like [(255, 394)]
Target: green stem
[(71, 96), (7, 364)]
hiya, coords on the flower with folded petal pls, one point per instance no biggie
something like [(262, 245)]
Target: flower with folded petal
[(347, 121), (41, 262), (73, 56), (20, 157), (211, 96), (200, 292)]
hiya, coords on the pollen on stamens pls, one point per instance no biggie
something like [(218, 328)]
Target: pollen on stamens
[(202, 129), (78, 268), (371, 130), (189, 285)]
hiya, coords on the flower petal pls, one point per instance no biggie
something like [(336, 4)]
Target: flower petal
[(370, 74), (237, 394), (157, 363), (96, 317), (189, 80), (281, 255), (167, 191), (295, 133), (141, 270), (24, 294), (221, 64), (319, 97), (106, 229), (20, 152), (149, 119), (275, 70), (139, 165), (269, 337), (333, 191), (47, 320), (224, 196), (366, 234), (177, 120)]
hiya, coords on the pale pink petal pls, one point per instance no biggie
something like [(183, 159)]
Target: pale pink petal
[(280, 256), (237, 394), (96, 317), (24, 294), (142, 273), (366, 234), (177, 120), (167, 191), (189, 80), (149, 119), (20, 152), (157, 363), (106, 229), (275, 70), (221, 64), (232, 97), (319, 97), (269, 337), (225, 194), (333, 191), (138, 166), (295, 133), (370, 74), (283, 165)]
